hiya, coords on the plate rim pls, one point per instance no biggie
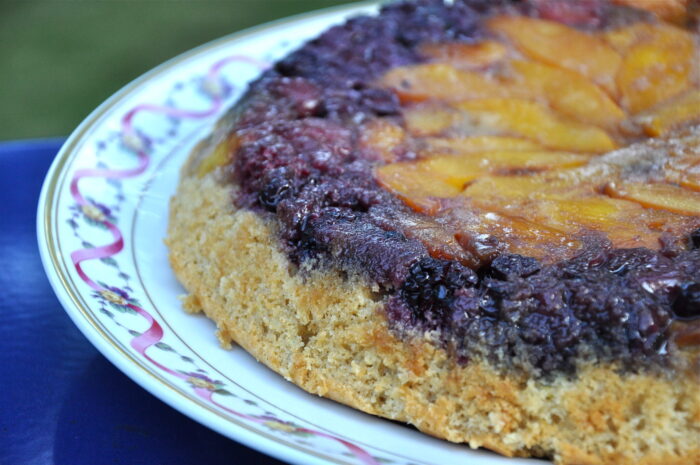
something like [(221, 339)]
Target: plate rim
[(70, 300)]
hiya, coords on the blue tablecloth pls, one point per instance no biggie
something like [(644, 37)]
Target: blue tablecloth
[(62, 402)]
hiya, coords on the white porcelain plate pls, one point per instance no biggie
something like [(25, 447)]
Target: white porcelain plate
[(101, 221)]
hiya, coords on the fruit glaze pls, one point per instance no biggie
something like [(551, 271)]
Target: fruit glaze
[(519, 180)]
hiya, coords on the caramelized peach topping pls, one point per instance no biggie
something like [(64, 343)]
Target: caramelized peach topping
[(381, 138), (475, 144), (672, 114), (569, 93), (684, 171), (660, 196), (441, 81), (219, 156), (562, 46), (536, 122), (508, 134), (672, 10), (654, 71), (468, 56)]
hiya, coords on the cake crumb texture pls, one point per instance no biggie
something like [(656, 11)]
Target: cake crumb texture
[(327, 332)]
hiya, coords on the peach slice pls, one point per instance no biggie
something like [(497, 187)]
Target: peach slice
[(419, 188), (687, 175), (382, 138), (531, 239), (624, 38), (506, 189), (515, 235), (659, 196), (670, 10), (421, 183), (437, 237), (569, 93), (463, 55), (460, 169), (477, 228), (685, 109), (219, 156), (511, 194), (454, 170), (546, 201), (622, 221), (429, 120), (440, 81), (535, 121), (552, 227), (656, 70), (558, 45), (592, 212), (459, 145)]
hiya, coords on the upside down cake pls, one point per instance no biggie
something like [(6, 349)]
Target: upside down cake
[(479, 217)]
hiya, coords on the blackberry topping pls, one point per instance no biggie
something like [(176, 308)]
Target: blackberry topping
[(511, 266), (381, 102), (430, 286), (695, 239), (277, 188), (687, 303), (300, 161)]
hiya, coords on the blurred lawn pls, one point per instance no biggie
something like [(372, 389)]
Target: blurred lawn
[(59, 59)]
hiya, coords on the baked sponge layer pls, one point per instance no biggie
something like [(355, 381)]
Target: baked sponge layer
[(326, 332)]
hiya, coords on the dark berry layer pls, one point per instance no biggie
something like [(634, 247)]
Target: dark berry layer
[(299, 159)]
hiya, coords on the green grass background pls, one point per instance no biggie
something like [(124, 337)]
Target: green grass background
[(59, 59)]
